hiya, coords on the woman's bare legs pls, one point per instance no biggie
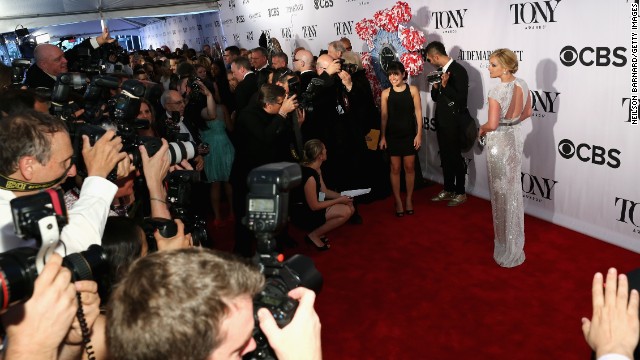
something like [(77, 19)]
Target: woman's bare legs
[(395, 181), (409, 179), (336, 215)]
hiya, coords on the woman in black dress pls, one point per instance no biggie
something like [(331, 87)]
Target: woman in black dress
[(401, 131), (311, 210)]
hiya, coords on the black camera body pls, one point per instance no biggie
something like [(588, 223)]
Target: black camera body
[(350, 68), (267, 204), (268, 197), (18, 266), (434, 77), (166, 227), (19, 69), (179, 184), (305, 98)]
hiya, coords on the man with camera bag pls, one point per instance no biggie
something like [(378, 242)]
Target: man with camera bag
[(450, 97), (36, 154)]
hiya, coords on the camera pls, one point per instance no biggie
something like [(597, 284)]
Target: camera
[(267, 204), (178, 151), (350, 68), (268, 198), (434, 77), (19, 68), (166, 227), (305, 99), (19, 267), (178, 195)]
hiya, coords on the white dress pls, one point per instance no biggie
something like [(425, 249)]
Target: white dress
[(504, 161)]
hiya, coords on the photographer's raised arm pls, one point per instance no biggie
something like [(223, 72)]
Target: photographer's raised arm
[(155, 170), (88, 215)]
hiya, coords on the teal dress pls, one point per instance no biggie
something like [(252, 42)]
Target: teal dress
[(217, 164)]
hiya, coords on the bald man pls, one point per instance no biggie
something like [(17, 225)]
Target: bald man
[(50, 61), (303, 64)]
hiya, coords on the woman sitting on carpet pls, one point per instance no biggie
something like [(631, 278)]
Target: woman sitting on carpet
[(316, 208)]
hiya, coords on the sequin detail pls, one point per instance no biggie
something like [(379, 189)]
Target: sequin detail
[(504, 160)]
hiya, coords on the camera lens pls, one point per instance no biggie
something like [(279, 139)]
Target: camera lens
[(181, 150)]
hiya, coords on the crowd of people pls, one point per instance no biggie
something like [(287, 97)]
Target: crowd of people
[(163, 294)]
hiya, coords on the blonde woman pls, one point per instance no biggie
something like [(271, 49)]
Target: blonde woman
[(509, 105)]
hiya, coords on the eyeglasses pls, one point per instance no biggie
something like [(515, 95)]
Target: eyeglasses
[(181, 102)]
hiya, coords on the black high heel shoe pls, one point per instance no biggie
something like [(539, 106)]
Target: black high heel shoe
[(325, 247), (324, 239)]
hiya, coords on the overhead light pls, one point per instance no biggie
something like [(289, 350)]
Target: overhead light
[(43, 38)]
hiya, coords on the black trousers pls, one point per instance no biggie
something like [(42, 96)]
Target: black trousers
[(451, 160)]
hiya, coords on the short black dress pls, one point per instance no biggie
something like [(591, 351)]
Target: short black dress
[(401, 123), (301, 214)]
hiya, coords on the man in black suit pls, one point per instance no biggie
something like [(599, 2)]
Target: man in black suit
[(303, 64), (453, 89), (247, 82), (50, 61), (260, 64), (259, 135), (174, 106)]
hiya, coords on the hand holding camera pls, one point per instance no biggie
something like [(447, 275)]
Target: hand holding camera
[(289, 104), (300, 339), (177, 240), (41, 324), (104, 155)]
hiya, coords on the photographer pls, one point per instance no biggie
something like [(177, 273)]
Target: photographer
[(175, 105), (45, 326), (36, 154), (332, 122), (50, 61), (214, 302), (259, 135)]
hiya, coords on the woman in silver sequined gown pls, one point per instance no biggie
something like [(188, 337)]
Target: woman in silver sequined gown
[(509, 105)]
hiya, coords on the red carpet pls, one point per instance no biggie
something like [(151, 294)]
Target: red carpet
[(426, 286)]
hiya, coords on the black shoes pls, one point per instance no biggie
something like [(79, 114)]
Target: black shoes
[(325, 247)]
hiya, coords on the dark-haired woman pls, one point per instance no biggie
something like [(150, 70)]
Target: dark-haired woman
[(401, 132), (316, 208)]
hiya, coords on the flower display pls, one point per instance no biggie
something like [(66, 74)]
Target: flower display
[(385, 31)]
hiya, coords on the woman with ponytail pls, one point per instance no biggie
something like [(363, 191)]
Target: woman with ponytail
[(316, 208)]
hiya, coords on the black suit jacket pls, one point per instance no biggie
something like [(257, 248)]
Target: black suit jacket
[(456, 90), (245, 89), (258, 140), (305, 79)]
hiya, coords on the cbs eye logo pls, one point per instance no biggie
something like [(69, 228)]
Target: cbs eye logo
[(589, 153), (588, 56)]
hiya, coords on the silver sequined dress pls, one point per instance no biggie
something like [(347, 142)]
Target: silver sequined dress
[(504, 150)]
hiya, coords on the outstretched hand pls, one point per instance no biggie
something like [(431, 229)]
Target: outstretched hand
[(105, 37), (614, 327)]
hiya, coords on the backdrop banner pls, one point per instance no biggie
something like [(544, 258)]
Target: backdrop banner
[(580, 161)]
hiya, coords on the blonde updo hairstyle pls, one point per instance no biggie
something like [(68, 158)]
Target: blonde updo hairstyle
[(507, 59), (312, 149)]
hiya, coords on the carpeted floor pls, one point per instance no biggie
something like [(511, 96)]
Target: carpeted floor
[(426, 286)]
